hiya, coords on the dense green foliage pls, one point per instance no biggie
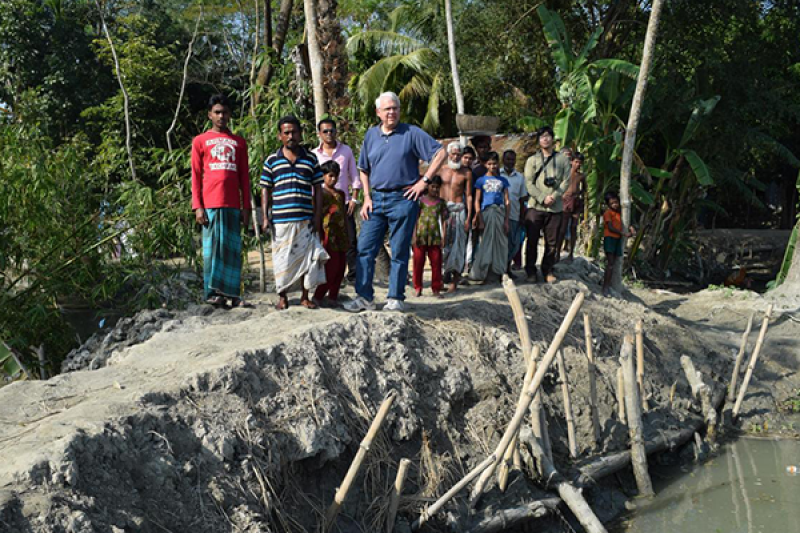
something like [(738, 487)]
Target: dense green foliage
[(716, 143)]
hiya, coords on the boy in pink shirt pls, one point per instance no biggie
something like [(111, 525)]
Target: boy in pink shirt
[(221, 203)]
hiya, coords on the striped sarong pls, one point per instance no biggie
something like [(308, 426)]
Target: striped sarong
[(222, 253), (492, 256), (297, 254), (455, 248)]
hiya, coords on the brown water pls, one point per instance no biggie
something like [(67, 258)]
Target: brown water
[(746, 489)]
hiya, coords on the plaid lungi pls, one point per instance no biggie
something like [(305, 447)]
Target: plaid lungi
[(222, 253)]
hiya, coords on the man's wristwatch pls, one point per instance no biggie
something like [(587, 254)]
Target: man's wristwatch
[(426, 179)]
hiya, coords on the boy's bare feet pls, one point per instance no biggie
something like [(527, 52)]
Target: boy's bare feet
[(550, 278), (453, 287), (437, 294)]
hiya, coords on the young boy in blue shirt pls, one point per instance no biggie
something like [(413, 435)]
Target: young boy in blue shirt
[(492, 208)]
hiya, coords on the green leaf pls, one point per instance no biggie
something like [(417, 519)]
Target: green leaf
[(640, 194), (556, 34), (701, 109), (564, 127), (699, 168), (620, 66), (7, 363), (588, 47), (659, 172)]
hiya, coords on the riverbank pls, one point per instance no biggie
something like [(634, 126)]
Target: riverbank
[(247, 420)]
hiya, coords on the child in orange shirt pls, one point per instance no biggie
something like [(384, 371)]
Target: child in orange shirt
[(612, 237)]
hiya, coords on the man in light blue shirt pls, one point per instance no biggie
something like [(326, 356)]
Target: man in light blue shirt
[(517, 197), (389, 169)]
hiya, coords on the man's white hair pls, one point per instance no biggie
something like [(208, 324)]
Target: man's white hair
[(387, 94), (456, 145)]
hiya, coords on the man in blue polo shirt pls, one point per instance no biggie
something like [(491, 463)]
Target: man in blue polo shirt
[(291, 187), (389, 169)]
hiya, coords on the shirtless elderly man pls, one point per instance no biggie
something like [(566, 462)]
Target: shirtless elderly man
[(458, 195)]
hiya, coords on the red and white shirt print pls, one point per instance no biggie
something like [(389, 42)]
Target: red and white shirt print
[(220, 171)]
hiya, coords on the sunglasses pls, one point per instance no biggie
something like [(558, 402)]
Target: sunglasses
[(329, 131)]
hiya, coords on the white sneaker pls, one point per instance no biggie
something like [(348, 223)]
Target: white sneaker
[(394, 305), (358, 304)]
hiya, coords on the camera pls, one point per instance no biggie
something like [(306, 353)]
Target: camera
[(550, 182)]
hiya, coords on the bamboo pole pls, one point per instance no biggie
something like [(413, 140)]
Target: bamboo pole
[(739, 358), (571, 495), (703, 392), (341, 494), (753, 359), (621, 395), (42, 362), (562, 376), (508, 457), (538, 417), (519, 317), (587, 329), (262, 268), (530, 393), (433, 509), (640, 362), (399, 481), (633, 408)]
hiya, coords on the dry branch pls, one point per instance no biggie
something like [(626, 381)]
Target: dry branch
[(399, 481), (621, 395), (530, 393), (703, 392), (506, 519), (640, 362), (183, 81), (505, 466), (753, 359), (633, 410), (739, 358), (262, 265), (587, 329), (352, 472)]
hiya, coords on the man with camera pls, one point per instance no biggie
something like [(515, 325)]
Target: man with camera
[(547, 177)]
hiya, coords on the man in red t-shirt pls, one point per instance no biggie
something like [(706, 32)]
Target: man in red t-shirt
[(221, 202)]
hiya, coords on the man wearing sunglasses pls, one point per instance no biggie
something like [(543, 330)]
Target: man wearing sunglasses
[(330, 149)]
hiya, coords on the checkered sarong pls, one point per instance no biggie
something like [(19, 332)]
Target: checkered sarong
[(222, 253)]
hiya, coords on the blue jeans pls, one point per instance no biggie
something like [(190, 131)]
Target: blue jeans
[(393, 211)]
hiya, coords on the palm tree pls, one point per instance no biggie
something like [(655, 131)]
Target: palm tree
[(410, 65)]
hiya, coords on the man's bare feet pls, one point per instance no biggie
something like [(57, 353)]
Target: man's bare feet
[(437, 294), (283, 303), (308, 304), (453, 287), (550, 278)]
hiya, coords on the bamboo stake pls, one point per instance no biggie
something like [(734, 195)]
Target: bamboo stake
[(571, 495), (42, 362), (519, 317), (399, 481), (508, 457), (262, 267), (587, 329), (640, 362), (562, 376), (477, 491), (633, 408), (538, 418), (703, 392), (341, 494), (753, 359), (672, 390), (621, 395), (739, 358), (433, 509)]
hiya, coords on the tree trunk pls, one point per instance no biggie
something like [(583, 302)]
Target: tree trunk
[(335, 73), (282, 28), (791, 284), (451, 46), (630, 132), (315, 59)]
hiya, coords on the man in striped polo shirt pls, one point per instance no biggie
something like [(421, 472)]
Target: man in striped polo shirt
[(291, 187)]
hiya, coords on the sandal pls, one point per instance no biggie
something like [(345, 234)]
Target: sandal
[(308, 304)]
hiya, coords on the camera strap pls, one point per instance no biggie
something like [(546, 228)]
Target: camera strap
[(544, 166)]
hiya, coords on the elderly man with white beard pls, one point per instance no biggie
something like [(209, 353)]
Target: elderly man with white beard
[(457, 192)]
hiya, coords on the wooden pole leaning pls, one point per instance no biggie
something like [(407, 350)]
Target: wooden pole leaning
[(262, 267), (570, 494), (394, 503), (587, 330), (739, 358), (633, 408), (702, 392), (433, 509), (513, 426), (352, 472), (640, 362), (519, 317), (562, 376), (752, 364), (538, 418), (508, 457), (621, 396)]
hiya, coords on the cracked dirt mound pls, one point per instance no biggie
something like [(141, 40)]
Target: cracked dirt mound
[(247, 420)]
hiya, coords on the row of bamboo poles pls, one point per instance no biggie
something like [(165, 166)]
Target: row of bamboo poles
[(632, 403)]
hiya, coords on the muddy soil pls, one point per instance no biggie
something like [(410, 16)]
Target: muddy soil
[(246, 420)]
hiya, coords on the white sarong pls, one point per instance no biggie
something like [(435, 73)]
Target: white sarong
[(297, 253)]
